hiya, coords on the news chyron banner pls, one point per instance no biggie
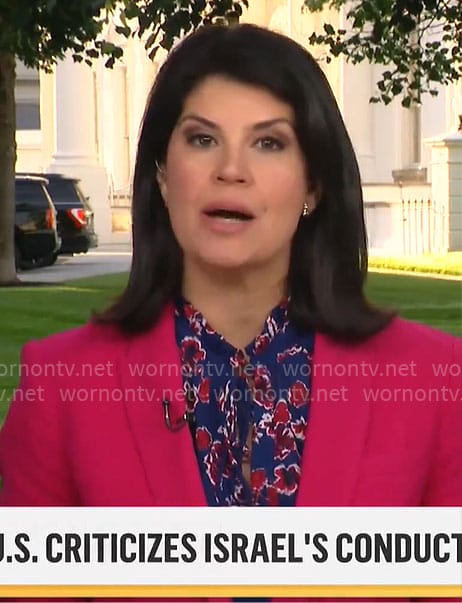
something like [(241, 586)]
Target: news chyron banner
[(231, 552)]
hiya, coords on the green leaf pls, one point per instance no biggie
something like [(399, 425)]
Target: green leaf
[(150, 41), (386, 32), (406, 102), (123, 30), (396, 88), (132, 11)]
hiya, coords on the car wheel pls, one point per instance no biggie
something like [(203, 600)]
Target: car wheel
[(21, 263), (48, 260)]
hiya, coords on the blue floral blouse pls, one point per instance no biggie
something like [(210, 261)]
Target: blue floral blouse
[(249, 406)]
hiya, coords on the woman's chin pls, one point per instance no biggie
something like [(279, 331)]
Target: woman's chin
[(225, 263)]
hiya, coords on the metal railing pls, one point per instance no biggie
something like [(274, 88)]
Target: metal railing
[(424, 227)]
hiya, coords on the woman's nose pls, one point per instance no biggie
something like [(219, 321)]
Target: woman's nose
[(232, 167)]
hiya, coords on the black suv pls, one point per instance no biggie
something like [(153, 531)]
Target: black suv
[(35, 235), (75, 215)]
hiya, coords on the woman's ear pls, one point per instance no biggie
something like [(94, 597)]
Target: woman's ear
[(161, 181), (313, 195)]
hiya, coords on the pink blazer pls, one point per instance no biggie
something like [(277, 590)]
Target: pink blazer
[(109, 446)]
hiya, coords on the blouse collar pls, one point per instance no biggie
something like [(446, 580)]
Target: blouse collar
[(276, 322)]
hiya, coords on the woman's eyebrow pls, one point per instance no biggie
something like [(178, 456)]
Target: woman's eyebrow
[(261, 125)]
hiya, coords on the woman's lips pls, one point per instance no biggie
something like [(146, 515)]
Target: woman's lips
[(227, 216), (222, 224), (228, 208)]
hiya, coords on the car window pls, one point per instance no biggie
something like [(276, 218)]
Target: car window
[(30, 193), (82, 197), (63, 191)]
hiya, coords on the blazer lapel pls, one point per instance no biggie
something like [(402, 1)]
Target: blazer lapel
[(152, 367), (337, 424), (336, 432)]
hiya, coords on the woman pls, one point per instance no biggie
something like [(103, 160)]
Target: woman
[(242, 365)]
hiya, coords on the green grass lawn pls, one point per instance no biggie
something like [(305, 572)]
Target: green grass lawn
[(432, 301), (31, 312)]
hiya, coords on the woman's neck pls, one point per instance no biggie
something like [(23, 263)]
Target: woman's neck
[(235, 303)]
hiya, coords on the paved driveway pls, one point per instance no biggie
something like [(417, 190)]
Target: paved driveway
[(102, 260)]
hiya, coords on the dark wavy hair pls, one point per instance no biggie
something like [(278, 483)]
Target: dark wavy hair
[(328, 261)]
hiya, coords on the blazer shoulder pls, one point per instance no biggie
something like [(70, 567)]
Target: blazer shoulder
[(94, 342), (416, 333), (400, 341), (86, 342), (411, 343)]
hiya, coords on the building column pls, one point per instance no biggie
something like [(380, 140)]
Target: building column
[(446, 170), (76, 146)]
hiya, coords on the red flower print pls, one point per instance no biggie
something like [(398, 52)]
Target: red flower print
[(230, 426), (194, 318), (258, 432), (281, 412), (284, 441), (213, 461), (264, 399), (276, 325), (258, 479), (227, 471), (298, 427), (261, 342), (273, 496), (287, 479), (240, 365), (263, 394), (239, 359), (191, 351), (229, 465), (203, 438), (239, 493), (265, 427), (223, 397), (204, 391), (295, 349), (189, 311), (262, 377), (298, 394)]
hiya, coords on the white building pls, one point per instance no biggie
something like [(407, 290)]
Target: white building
[(84, 122)]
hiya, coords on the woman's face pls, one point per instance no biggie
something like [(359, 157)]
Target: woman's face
[(234, 180)]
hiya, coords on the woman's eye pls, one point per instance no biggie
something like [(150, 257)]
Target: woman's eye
[(269, 143), (200, 140)]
